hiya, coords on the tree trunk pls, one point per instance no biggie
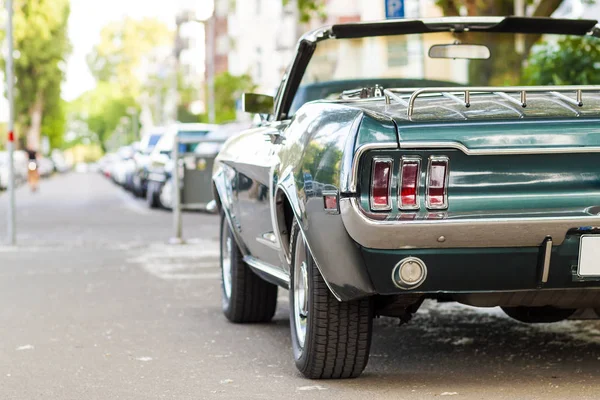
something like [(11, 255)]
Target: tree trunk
[(35, 128)]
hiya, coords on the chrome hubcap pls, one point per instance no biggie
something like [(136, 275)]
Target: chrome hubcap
[(226, 263), (300, 292)]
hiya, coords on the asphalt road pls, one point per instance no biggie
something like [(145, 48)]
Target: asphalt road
[(95, 305)]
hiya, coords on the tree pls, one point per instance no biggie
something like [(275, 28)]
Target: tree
[(123, 48), (570, 61), (54, 120), (102, 109), (505, 65), (309, 9), (228, 90), (41, 48)]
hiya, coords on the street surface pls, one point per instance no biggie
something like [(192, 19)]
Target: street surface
[(95, 305)]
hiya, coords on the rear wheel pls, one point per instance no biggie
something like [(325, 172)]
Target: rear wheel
[(533, 315), (246, 297), (330, 339)]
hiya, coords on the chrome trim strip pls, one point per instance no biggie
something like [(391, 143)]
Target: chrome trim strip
[(468, 232), (390, 161), (547, 256), (359, 153), (267, 269), (445, 160), (496, 152), (407, 160)]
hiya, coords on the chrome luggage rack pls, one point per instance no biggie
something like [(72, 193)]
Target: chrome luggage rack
[(558, 92)]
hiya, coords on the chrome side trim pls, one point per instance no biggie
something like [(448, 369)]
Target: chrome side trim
[(468, 232), (270, 240), (444, 205), (494, 152), (268, 269), (390, 162), (357, 156), (547, 256)]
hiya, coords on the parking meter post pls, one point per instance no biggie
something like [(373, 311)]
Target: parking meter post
[(177, 238)]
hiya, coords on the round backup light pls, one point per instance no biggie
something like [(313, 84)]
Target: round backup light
[(409, 273)]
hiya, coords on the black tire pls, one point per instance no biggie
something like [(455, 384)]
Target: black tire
[(251, 299), (538, 315), (152, 196), (338, 334)]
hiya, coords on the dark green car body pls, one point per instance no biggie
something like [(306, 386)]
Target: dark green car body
[(523, 186)]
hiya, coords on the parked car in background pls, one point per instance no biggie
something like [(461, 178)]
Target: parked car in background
[(3, 170), (61, 165), (161, 163), (142, 160), (45, 167), (122, 165), (365, 193)]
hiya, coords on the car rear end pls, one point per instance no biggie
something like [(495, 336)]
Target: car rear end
[(487, 212)]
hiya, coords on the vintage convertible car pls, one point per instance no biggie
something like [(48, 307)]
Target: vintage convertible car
[(388, 169)]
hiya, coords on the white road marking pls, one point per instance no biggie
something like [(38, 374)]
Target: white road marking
[(314, 387), (26, 347), (199, 259)]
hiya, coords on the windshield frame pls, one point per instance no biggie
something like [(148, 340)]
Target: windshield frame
[(309, 42)]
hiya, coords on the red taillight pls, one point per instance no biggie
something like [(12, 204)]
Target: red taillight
[(410, 172), (380, 184), (436, 196)]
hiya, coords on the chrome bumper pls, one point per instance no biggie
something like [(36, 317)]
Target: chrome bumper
[(457, 233)]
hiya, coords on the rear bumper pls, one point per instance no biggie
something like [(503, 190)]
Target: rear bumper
[(468, 270), (461, 232)]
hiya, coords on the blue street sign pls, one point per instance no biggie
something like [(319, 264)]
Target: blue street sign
[(394, 9)]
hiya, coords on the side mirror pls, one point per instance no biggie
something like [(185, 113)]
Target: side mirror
[(258, 103)]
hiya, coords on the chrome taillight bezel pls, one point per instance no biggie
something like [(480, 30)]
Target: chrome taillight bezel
[(444, 205), (373, 206), (409, 160)]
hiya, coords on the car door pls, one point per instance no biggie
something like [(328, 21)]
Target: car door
[(255, 191)]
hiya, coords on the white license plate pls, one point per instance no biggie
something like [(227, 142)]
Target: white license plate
[(589, 256)]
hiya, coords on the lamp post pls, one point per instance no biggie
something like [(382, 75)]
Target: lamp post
[(205, 13)]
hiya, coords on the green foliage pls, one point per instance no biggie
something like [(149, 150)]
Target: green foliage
[(309, 9), (122, 48), (117, 63), (505, 66), (54, 121), (42, 46), (228, 90), (102, 108), (570, 61)]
